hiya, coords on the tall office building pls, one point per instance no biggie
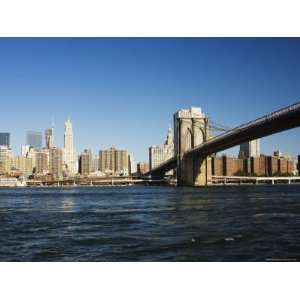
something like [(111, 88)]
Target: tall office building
[(34, 139), (159, 154), (85, 162), (49, 137), (56, 161), (114, 161), (5, 139), (250, 149), (69, 153)]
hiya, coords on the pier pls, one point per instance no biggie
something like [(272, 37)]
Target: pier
[(226, 180)]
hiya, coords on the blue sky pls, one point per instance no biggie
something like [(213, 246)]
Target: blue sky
[(123, 92)]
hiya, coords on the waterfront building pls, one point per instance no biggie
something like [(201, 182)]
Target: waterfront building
[(250, 149), (5, 139), (42, 162), (142, 168), (254, 166), (5, 155), (23, 164), (56, 161), (227, 166), (160, 154), (85, 162), (49, 137), (114, 162), (34, 139), (95, 163), (69, 153)]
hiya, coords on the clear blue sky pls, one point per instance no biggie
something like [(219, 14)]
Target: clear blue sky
[(123, 92)]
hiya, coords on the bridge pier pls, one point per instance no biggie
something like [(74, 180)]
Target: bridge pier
[(191, 130), (194, 171)]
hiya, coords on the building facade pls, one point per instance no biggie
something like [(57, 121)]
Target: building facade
[(143, 168), (23, 164), (85, 162), (254, 166), (250, 149), (41, 162), (160, 154), (56, 162), (114, 161), (5, 159), (95, 163)]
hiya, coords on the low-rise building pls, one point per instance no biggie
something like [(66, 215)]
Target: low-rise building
[(254, 166)]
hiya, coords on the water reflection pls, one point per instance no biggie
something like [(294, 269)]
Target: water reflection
[(68, 204)]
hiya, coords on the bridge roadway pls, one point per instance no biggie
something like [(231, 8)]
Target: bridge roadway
[(280, 120)]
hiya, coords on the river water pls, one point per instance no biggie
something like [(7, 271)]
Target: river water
[(232, 223)]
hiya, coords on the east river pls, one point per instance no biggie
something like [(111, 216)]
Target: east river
[(222, 223)]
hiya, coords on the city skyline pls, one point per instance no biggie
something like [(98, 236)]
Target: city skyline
[(127, 90)]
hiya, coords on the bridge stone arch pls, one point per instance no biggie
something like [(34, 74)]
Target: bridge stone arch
[(190, 130), (187, 142)]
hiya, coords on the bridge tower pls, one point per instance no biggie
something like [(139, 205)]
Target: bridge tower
[(191, 130)]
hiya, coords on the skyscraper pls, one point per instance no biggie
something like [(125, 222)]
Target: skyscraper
[(250, 149), (34, 139), (49, 136), (5, 139), (69, 154)]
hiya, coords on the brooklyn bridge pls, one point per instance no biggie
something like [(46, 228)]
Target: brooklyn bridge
[(194, 143)]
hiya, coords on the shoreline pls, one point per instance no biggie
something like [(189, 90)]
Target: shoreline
[(143, 185)]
